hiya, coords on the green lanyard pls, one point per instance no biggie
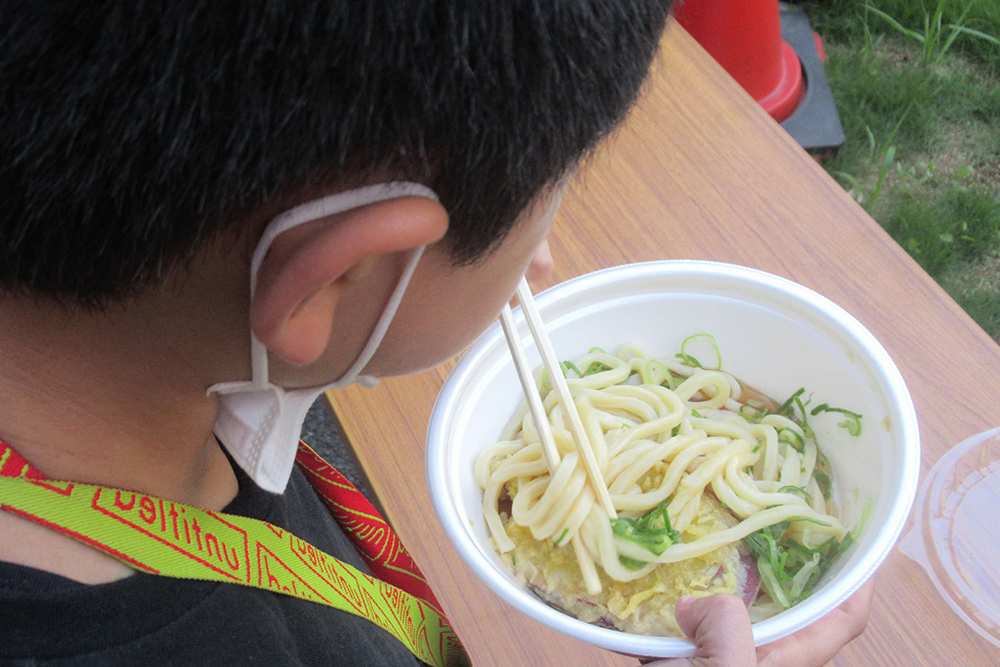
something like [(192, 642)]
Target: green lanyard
[(162, 537)]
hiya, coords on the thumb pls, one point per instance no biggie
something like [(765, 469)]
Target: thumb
[(720, 627)]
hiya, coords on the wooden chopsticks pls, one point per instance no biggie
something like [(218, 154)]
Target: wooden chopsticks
[(558, 381)]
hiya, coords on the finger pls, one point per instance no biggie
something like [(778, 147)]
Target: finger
[(816, 644), (720, 627)]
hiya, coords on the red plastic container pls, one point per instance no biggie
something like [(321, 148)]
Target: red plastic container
[(744, 36)]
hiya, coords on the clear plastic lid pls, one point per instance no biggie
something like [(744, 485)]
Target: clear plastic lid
[(956, 531)]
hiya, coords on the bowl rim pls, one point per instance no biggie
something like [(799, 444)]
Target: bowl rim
[(900, 408)]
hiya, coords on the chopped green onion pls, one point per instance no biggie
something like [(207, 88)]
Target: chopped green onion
[(802, 409), (563, 366), (653, 372), (632, 563), (673, 381), (651, 531), (852, 423), (786, 407), (845, 543), (866, 514), (792, 439), (571, 366), (808, 519), (796, 489), (562, 536), (595, 366), (546, 385), (758, 412), (675, 431), (695, 413), (824, 482), (688, 359), (513, 559)]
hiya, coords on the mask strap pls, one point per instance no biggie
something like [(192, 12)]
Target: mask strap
[(309, 212), (354, 372)]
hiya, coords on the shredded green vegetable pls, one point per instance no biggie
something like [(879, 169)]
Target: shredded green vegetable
[(788, 569), (651, 531), (562, 536), (695, 413)]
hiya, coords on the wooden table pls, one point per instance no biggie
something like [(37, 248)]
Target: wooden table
[(699, 171)]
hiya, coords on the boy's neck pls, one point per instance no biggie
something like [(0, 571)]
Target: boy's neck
[(115, 398)]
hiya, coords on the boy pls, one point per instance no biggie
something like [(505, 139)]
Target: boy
[(163, 328)]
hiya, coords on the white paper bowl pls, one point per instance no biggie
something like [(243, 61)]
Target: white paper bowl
[(774, 334)]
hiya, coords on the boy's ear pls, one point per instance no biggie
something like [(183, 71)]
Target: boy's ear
[(306, 268)]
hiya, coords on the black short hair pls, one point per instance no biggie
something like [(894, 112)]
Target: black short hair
[(133, 132)]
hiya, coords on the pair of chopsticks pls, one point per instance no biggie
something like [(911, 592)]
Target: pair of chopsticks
[(558, 381)]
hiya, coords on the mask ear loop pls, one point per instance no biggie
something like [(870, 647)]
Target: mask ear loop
[(309, 212), (354, 372)]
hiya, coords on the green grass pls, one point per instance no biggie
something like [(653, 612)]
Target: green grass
[(843, 21), (942, 231), (875, 91), (922, 130)]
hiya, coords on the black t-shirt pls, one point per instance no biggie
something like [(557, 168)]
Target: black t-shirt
[(147, 620)]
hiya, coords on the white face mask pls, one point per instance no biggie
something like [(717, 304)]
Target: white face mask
[(259, 422)]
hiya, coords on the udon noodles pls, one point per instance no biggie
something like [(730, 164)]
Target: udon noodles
[(670, 438)]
